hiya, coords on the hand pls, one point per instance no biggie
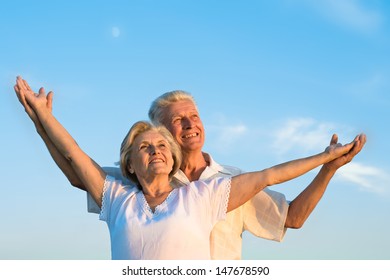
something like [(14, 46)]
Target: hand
[(359, 142), (336, 150), (26, 95)]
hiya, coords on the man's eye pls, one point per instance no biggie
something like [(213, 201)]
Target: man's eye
[(176, 120)]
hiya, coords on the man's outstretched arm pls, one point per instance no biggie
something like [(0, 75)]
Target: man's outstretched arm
[(303, 205)]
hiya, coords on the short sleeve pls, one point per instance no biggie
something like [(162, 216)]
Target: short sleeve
[(215, 195), (113, 172), (114, 192), (107, 198), (265, 215)]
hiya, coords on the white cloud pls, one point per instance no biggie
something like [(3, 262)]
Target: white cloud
[(349, 13), (368, 178), (303, 134), (226, 136), (310, 136), (298, 136)]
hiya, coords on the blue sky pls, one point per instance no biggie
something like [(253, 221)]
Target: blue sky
[(273, 81)]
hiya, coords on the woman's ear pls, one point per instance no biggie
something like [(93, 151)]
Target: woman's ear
[(130, 168)]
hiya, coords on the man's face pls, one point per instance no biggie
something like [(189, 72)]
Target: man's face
[(182, 120)]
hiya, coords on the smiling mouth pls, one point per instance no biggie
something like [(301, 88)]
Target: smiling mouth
[(156, 160), (187, 136)]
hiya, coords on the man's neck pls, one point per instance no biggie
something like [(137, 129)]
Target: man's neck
[(193, 165)]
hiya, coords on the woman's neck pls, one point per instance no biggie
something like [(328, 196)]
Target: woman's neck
[(156, 190), (156, 185)]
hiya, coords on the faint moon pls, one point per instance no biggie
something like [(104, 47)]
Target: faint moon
[(115, 32)]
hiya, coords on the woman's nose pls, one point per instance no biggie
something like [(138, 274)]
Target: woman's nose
[(154, 150)]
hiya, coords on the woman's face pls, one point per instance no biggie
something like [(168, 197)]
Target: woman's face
[(151, 155)]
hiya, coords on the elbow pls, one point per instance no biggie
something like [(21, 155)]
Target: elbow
[(78, 185), (74, 180), (294, 225), (293, 222)]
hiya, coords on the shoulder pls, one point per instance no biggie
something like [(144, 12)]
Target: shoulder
[(116, 173), (210, 185), (114, 194), (222, 169), (117, 187), (231, 170)]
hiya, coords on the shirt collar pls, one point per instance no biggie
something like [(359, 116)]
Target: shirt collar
[(211, 170)]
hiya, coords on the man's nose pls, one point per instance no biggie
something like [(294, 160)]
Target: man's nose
[(187, 123)]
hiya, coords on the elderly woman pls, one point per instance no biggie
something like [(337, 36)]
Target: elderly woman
[(151, 220)]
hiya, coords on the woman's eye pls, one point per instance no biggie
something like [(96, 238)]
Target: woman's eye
[(142, 147)]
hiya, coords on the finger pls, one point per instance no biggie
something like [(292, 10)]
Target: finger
[(41, 91), (16, 88), (22, 99), (348, 147), (334, 139), (17, 91), (357, 139), (358, 146), (363, 138), (360, 143), (27, 85), (20, 83)]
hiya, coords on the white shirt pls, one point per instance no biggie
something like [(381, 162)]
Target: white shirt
[(264, 215), (179, 228)]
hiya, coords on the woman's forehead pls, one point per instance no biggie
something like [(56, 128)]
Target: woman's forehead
[(150, 136)]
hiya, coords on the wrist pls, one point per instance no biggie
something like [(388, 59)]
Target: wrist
[(43, 115), (329, 168), (39, 128)]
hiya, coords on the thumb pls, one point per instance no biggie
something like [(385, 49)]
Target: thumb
[(334, 139), (50, 100), (41, 91)]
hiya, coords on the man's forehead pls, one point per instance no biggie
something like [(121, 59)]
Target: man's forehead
[(181, 108)]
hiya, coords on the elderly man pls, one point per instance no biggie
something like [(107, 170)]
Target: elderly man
[(267, 215)]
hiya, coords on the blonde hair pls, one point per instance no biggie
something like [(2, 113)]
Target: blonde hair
[(127, 145), (156, 115)]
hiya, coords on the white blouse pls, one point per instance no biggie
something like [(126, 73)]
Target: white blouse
[(179, 228)]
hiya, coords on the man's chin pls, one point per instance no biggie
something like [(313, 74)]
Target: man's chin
[(191, 147)]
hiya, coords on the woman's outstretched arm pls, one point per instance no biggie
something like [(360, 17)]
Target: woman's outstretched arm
[(90, 173), (58, 158), (246, 185)]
